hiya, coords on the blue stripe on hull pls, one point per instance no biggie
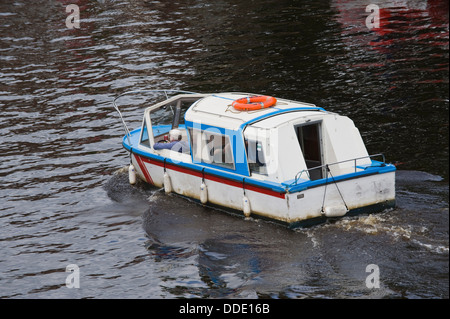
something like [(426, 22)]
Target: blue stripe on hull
[(286, 187)]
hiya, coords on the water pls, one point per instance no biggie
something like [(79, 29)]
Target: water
[(65, 199)]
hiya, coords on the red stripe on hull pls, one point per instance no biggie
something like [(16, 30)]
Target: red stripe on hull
[(209, 177), (144, 170)]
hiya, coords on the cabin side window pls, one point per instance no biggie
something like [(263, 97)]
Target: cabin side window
[(255, 157), (144, 137), (212, 147)]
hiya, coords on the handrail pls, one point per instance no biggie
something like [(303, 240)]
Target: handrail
[(299, 174), (125, 127)]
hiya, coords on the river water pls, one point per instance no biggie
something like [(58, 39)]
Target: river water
[(64, 194)]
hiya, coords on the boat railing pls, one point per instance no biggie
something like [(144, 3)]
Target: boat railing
[(165, 91), (299, 174)]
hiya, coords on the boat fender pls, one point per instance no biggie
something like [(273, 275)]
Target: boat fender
[(167, 184), (335, 211), (246, 206), (132, 174), (203, 193)]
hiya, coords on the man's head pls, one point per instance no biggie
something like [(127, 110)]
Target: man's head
[(175, 135)]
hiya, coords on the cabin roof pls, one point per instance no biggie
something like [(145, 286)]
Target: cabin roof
[(216, 110)]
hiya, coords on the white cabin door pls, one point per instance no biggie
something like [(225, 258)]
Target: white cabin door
[(310, 140)]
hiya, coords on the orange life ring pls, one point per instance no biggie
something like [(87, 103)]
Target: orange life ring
[(252, 103)]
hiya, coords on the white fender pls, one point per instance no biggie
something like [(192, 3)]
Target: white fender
[(132, 174), (335, 211), (203, 193), (167, 184), (246, 206)]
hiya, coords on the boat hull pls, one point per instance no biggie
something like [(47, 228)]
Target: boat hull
[(311, 204)]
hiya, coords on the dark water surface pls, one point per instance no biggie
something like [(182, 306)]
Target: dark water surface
[(65, 198)]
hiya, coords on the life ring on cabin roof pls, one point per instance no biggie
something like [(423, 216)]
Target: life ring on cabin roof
[(252, 103)]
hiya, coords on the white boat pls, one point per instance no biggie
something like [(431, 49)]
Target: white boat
[(285, 161)]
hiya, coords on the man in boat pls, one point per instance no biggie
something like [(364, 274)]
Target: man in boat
[(175, 143)]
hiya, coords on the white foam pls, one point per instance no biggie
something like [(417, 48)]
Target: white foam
[(439, 249)]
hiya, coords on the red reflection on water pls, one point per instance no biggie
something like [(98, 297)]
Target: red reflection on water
[(400, 21), (404, 26)]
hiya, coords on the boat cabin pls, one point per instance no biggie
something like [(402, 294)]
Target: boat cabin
[(288, 141)]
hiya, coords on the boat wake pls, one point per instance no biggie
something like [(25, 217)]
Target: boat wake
[(119, 189), (425, 229)]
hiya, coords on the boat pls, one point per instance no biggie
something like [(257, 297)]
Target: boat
[(258, 156)]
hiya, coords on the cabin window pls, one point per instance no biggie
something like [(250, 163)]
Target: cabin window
[(255, 157), (212, 147), (170, 116), (144, 138)]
